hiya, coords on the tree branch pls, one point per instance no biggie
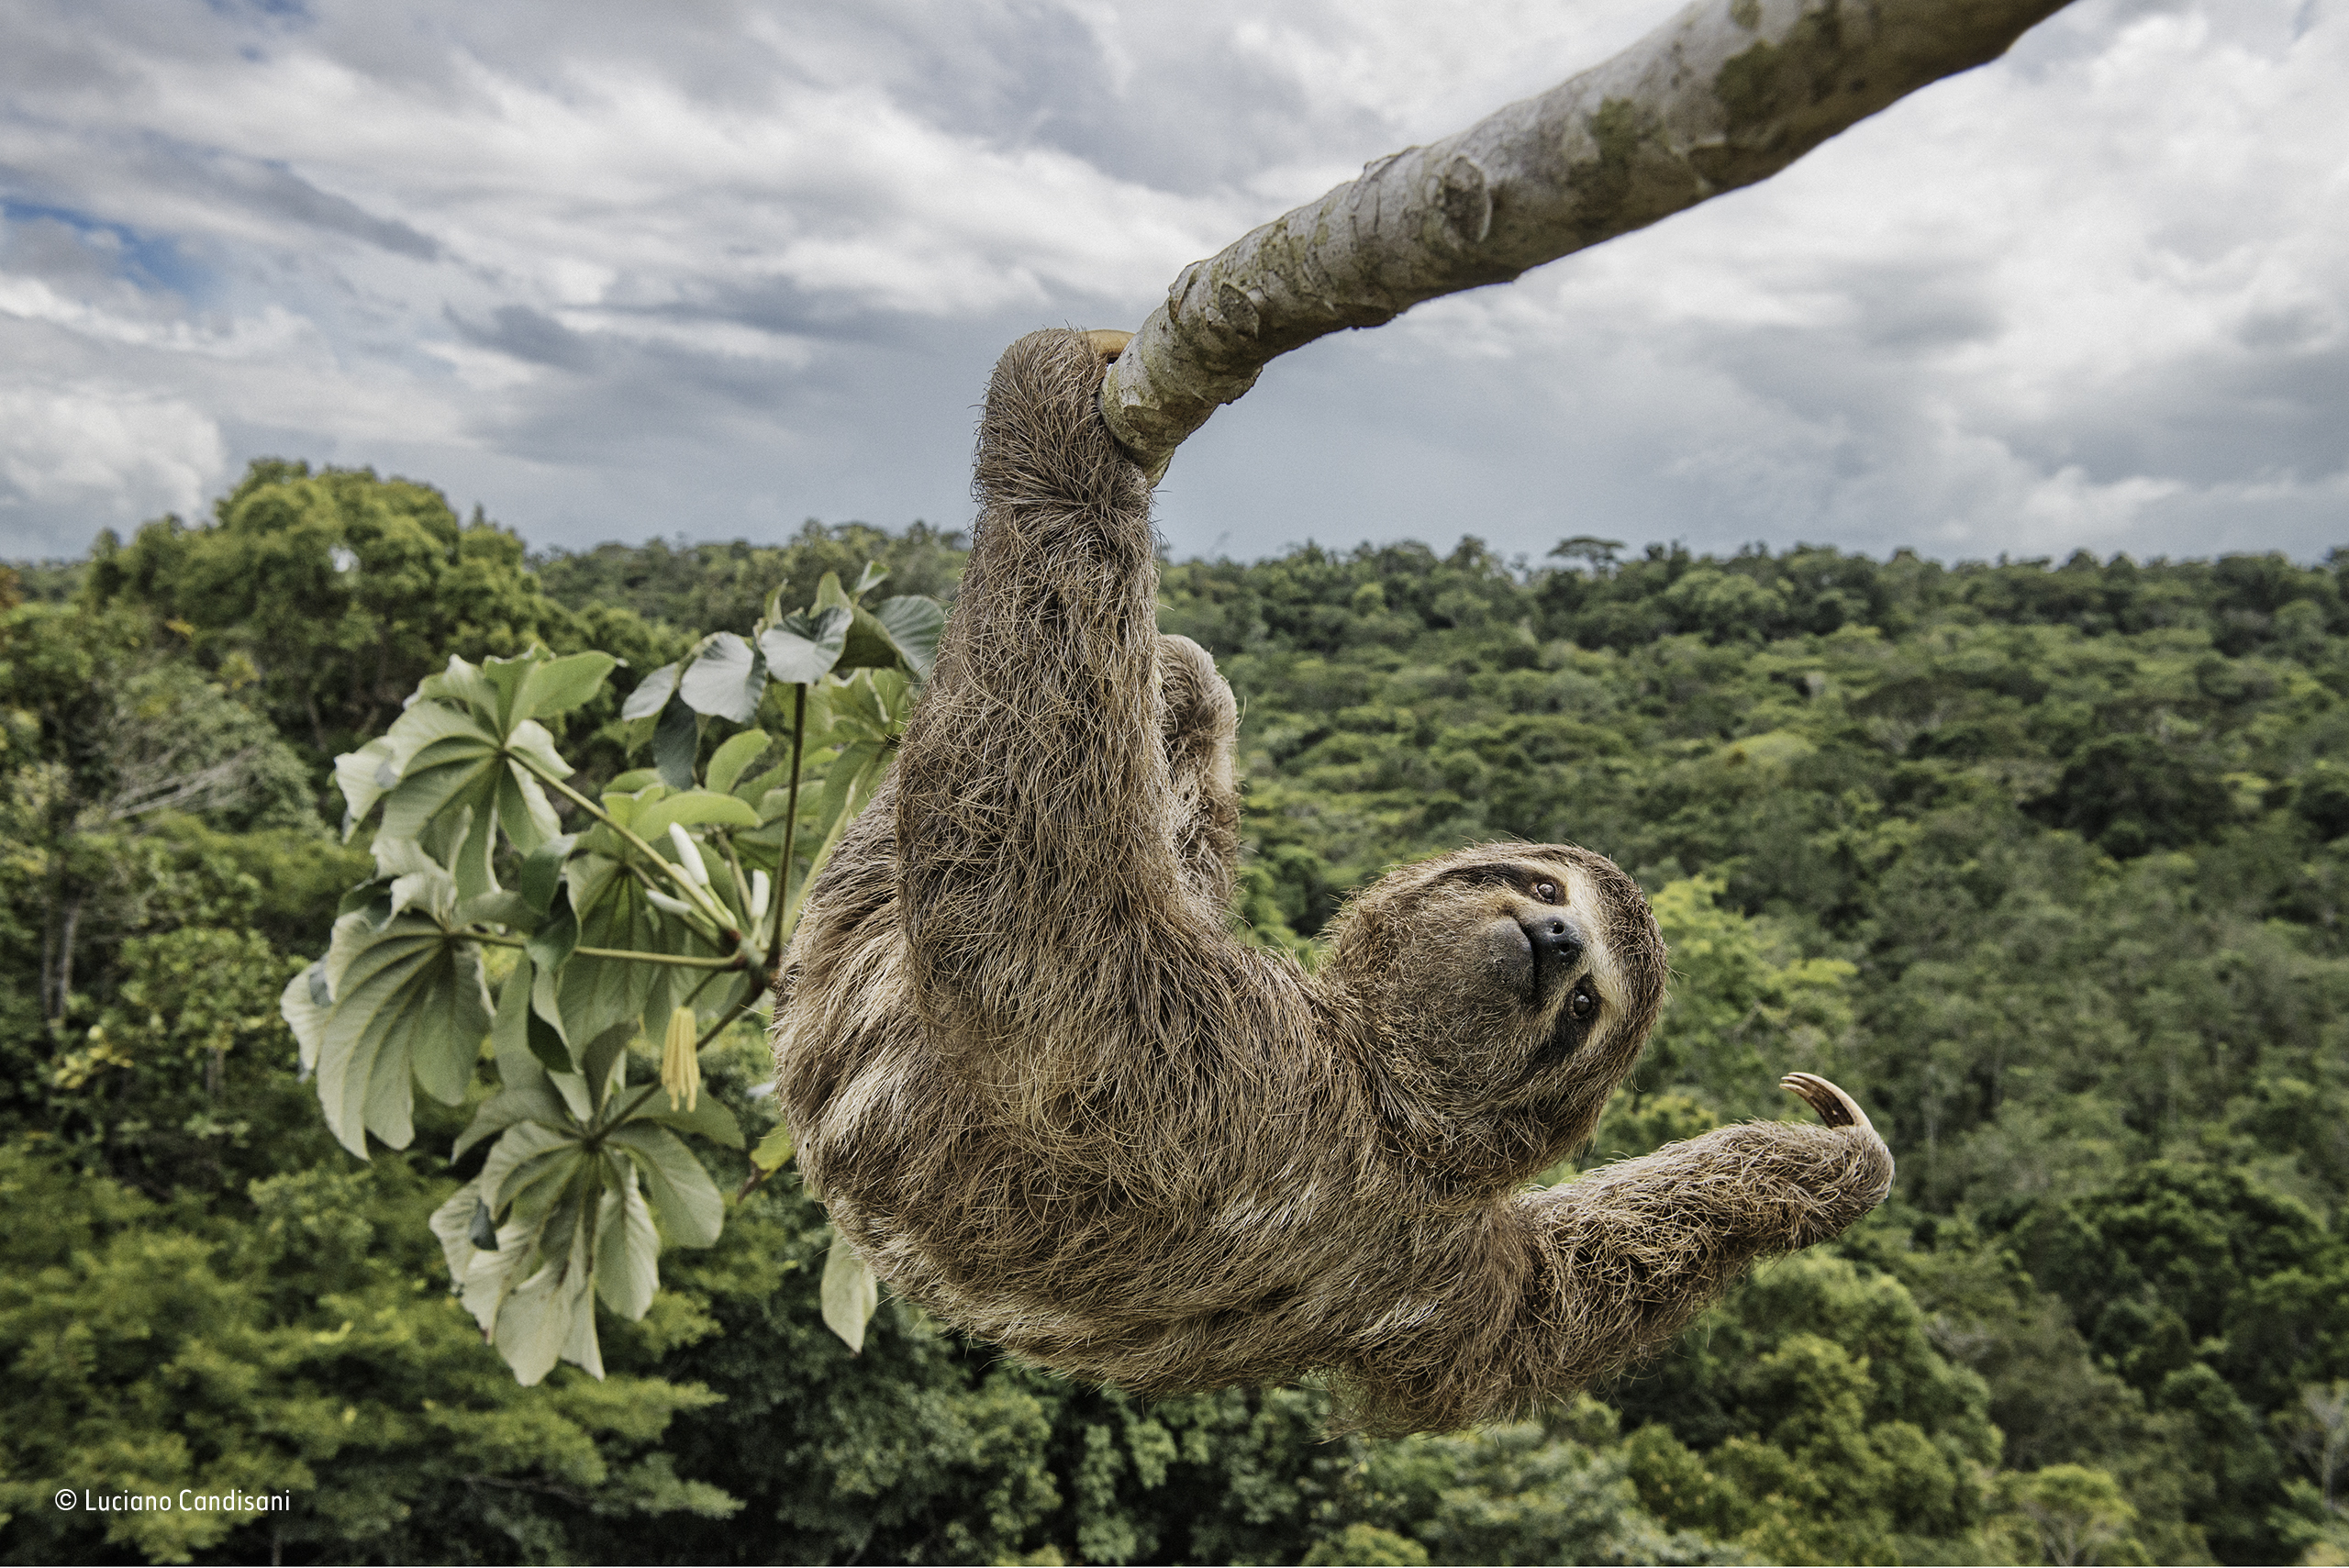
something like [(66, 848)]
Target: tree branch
[(1726, 93)]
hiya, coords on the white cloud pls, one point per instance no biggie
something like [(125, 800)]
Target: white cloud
[(616, 269), (64, 446)]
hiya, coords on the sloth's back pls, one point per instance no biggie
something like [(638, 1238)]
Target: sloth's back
[(1194, 1219)]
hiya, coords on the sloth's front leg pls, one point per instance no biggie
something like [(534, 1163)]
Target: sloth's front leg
[(1200, 725), (1597, 1271), (1624, 1257)]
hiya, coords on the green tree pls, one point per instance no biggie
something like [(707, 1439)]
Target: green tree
[(706, 585), (1811, 1420), (105, 744), (2078, 1514), (283, 1345), (388, 584)]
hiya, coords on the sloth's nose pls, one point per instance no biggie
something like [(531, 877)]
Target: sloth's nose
[(1554, 936)]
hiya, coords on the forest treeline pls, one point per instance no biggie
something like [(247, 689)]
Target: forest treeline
[(2044, 863)]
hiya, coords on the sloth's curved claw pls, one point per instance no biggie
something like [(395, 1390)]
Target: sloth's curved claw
[(1836, 1107)]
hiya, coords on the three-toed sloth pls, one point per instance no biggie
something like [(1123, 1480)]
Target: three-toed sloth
[(1051, 1097)]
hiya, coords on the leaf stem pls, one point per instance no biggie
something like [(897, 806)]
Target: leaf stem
[(641, 1096), (685, 884), (725, 843), (676, 958), (690, 916), (704, 985), (682, 960), (790, 816), (728, 1017)]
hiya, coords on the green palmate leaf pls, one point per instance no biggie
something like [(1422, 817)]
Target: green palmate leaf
[(305, 1012), (848, 786), (546, 1043), (685, 1200), (499, 909), (445, 760), (691, 807), (487, 1277), (542, 871), (738, 752), (622, 808), (531, 1288), (851, 1295), (529, 1048), (597, 993), (361, 776), (871, 708), (550, 1316), (502, 693), (869, 578), (897, 634), (709, 1118), (627, 1247), (353, 930), (463, 687), (651, 694), (531, 1165), (535, 1101), (618, 914), (802, 648), (774, 1150), (725, 679), (550, 944), (410, 1007), (604, 1061), (414, 880), (539, 683), (912, 623), (676, 740)]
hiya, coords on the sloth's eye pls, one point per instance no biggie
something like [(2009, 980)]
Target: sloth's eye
[(1546, 890), (1582, 1003)]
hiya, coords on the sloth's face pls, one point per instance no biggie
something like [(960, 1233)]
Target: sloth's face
[(1510, 975)]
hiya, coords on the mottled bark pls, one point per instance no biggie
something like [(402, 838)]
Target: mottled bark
[(1726, 93)]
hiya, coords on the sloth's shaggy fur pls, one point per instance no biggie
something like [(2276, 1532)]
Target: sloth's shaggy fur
[(1048, 1094)]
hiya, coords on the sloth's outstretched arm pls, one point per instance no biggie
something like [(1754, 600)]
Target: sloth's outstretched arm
[(1038, 816), (1612, 1266)]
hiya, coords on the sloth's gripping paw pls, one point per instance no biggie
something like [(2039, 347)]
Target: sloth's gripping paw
[(1836, 1107)]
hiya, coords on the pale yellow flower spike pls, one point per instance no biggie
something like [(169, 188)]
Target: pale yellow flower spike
[(680, 1068)]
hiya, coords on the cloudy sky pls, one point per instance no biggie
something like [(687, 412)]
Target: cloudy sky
[(709, 267)]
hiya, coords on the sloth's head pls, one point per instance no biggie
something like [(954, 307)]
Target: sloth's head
[(1506, 990)]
